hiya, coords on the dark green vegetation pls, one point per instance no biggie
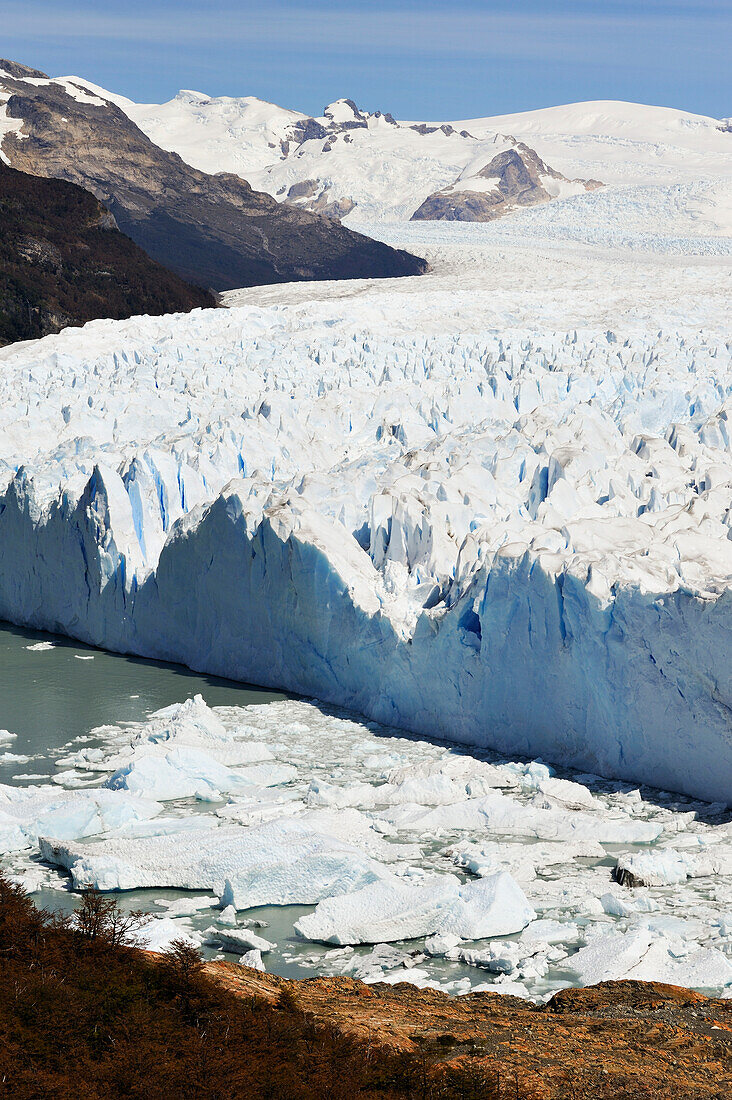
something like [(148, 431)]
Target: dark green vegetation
[(63, 262)]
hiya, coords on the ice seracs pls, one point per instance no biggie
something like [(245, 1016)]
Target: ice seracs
[(511, 539)]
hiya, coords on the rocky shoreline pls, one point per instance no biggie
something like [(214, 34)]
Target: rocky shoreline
[(615, 1039)]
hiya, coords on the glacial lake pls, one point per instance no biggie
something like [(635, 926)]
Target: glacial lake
[(50, 696), (53, 695), (54, 691)]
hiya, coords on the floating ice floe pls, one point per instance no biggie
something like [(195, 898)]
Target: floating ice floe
[(503, 815), (28, 812), (341, 824), (646, 956), (280, 863), (236, 940), (521, 860), (185, 751), (253, 959), (159, 934), (185, 772), (399, 910), (673, 865)]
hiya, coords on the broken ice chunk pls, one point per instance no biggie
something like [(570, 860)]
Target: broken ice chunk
[(397, 909)]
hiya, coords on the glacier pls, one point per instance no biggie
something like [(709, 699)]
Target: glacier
[(509, 537)]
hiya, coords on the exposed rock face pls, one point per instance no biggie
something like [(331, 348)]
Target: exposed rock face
[(63, 262), (314, 195), (515, 178), (22, 72), (212, 230), (617, 1039)]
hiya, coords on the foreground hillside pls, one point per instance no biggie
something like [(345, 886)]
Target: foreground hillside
[(64, 262), (214, 231), (84, 1016)]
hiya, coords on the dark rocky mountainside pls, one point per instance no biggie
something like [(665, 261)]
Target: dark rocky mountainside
[(212, 230), (63, 262), (520, 179)]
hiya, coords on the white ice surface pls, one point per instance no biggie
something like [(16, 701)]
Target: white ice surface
[(280, 863), (394, 910), (491, 505), (513, 536), (159, 934), (27, 812), (645, 956)]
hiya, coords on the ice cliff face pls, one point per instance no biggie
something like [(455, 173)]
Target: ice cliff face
[(517, 540)]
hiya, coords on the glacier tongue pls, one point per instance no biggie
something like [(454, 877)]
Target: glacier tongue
[(511, 539)]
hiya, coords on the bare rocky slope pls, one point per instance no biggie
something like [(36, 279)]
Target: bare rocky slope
[(514, 178), (615, 1040), (63, 262), (212, 230)]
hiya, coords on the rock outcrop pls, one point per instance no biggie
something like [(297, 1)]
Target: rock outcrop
[(516, 177), (212, 230), (63, 262), (614, 1040)]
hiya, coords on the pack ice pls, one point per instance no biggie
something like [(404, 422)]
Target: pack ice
[(454, 867), (510, 538)]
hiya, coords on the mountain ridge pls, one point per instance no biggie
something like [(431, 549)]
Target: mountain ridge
[(63, 262), (370, 167), (213, 230)]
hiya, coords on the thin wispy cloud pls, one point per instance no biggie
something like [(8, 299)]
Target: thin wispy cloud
[(467, 32), (404, 49)]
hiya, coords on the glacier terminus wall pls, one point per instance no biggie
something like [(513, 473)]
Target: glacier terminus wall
[(512, 539)]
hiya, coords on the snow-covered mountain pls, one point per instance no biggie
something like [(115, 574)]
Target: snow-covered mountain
[(369, 167), (515, 177), (213, 230)]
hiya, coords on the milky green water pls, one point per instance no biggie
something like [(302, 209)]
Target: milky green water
[(52, 696)]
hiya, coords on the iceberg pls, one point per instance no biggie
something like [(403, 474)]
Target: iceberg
[(279, 863), (237, 940), (645, 956), (184, 772), (440, 905), (28, 812)]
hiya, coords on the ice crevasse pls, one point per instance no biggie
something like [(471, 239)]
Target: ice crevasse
[(519, 542)]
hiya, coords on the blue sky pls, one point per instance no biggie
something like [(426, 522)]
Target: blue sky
[(426, 59)]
